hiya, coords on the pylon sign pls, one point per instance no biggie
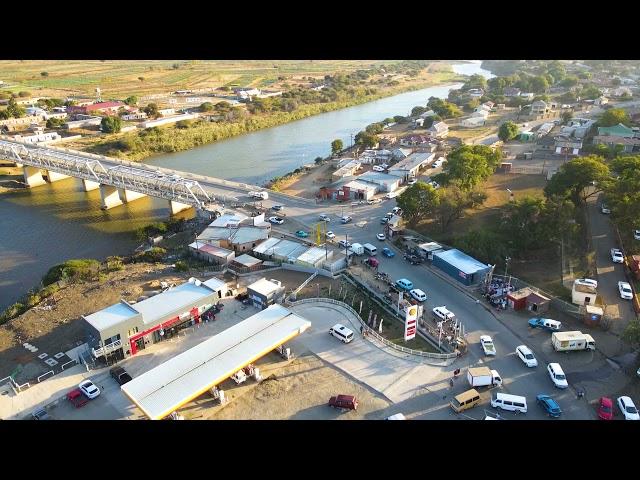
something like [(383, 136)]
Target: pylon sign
[(410, 322)]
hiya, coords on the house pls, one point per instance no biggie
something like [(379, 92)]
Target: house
[(347, 170), (246, 94), (353, 190), (134, 116), (528, 95), (511, 92), (267, 94), (475, 92), (410, 166), (385, 182), (82, 121), (619, 130), (265, 292), (401, 153), (211, 253), (544, 129), (473, 122), (484, 114), (414, 140), (526, 136), (97, 108), (567, 145), (545, 143), (427, 114), (438, 130), (245, 263), (33, 111), (418, 122), (41, 138), (165, 112), (601, 101), (500, 106), (484, 107), (539, 107), (629, 145)]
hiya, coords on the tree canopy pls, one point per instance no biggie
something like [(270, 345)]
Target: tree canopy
[(131, 100), (111, 124), (614, 116), (336, 146), (443, 108), (508, 131), (469, 165), (365, 139), (574, 179), (418, 201)]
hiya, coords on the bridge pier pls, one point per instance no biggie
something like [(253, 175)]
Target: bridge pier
[(89, 185), (110, 197), (33, 176), (177, 207), (55, 176), (127, 196)]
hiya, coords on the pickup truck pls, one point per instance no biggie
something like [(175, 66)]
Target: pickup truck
[(120, 375), (487, 345), (77, 398), (545, 323)]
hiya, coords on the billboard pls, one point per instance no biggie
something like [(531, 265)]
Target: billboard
[(410, 322)]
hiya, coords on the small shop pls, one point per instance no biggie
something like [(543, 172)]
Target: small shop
[(538, 303)]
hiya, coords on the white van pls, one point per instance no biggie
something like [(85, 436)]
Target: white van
[(341, 332), (370, 249), (391, 195), (378, 168), (511, 403)]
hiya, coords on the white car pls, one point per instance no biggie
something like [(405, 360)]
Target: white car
[(625, 291), (330, 235), (438, 163), (617, 255), (604, 209), (381, 236), (487, 345), (526, 355), (378, 168), (628, 409), (443, 313), (557, 375), (89, 389), (276, 220), (418, 294), (324, 217), (344, 244), (636, 234), (341, 333), (396, 211), (413, 181)]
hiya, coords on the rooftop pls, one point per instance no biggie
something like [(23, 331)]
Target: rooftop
[(228, 219), (378, 177), (414, 160), (461, 261), (266, 246), (111, 316), (247, 260), (312, 255), (264, 287), (356, 185), (619, 130), (211, 249), (249, 234), (616, 140)]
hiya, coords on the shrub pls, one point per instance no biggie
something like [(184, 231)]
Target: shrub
[(75, 270), (114, 264), (181, 266), (11, 312), (154, 255)]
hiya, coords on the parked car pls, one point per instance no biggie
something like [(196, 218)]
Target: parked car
[(545, 323), (381, 236), (628, 409), (384, 220), (413, 181), (276, 220), (605, 209), (404, 284), (605, 410), (397, 211), (277, 208), (443, 313), (77, 398), (636, 234), (549, 405), (89, 389), (346, 219), (302, 234), (557, 376), (324, 217), (341, 332), (344, 402), (330, 234), (413, 259), (120, 375), (344, 244), (625, 291), (525, 354), (487, 345), (434, 184), (41, 414), (387, 252), (617, 256), (418, 294)]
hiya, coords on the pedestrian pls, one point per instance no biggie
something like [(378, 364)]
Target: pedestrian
[(361, 329)]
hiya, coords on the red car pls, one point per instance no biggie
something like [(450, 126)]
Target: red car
[(344, 402), (78, 398), (605, 410)]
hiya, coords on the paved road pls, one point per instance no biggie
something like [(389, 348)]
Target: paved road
[(604, 239)]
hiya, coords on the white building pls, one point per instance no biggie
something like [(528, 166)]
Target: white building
[(473, 122)]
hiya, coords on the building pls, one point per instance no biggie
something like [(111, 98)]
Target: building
[(472, 122), (528, 95), (349, 169), (97, 108), (567, 146), (281, 250), (619, 130), (414, 140), (621, 92), (384, 181), (401, 153), (410, 166), (538, 303), (41, 138), (134, 116), (518, 299), (629, 145), (167, 120), (584, 291), (245, 239), (123, 329), (526, 136), (265, 292), (481, 114), (429, 248), (511, 92), (545, 143), (313, 257), (467, 270), (544, 129), (438, 130), (245, 263), (82, 121), (166, 112), (475, 92), (353, 190), (211, 253), (539, 107)]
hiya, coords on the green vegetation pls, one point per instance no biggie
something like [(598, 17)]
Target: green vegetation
[(623, 192), (631, 333), (613, 117), (181, 266), (55, 122), (443, 108), (418, 201), (508, 131), (469, 165), (13, 110), (74, 270), (131, 100), (155, 254), (336, 146), (206, 107), (573, 178), (111, 124)]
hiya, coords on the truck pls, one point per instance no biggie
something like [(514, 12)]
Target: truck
[(260, 195), (357, 248), (545, 323), (568, 341), (120, 375), (483, 377), (487, 345)]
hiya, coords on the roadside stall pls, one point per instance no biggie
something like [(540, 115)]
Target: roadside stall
[(538, 303)]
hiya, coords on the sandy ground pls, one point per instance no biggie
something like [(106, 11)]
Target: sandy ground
[(11, 177), (307, 185)]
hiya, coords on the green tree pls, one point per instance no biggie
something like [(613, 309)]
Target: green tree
[(375, 128), (415, 111), (318, 160), (590, 93), (443, 108), (418, 201), (336, 146), (469, 165), (131, 100), (569, 81), (141, 79), (111, 124), (14, 110), (508, 131), (475, 81), (471, 105), (614, 116), (365, 139), (151, 110), (631, 333), (574, 179), (54, 122), (539, 84), (623, 192), (206, 107), (484, 244), (24, 94), (566, 116), (453, 201)]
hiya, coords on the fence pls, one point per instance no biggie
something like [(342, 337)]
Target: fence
[(372, 333), (50, 372)]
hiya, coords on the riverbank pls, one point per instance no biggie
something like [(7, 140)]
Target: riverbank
[(137, 146), (11, 178)]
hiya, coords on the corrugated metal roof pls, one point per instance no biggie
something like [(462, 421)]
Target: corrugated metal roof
[(266, 246), (264, 287), (111, 316), (211, 249), (249, 234), (247, 260), (184, 377), (216, 284), (228, 219), (174, 300), (215, 233), (312, 255), (461, 261), (412, 161)]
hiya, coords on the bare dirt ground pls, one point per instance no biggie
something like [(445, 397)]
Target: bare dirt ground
[(307, 185), (10, 177)]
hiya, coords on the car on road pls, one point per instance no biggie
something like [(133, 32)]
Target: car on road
[(277, 208), (443, 313), (77, 398), (625, 291), (89, 389), (341, 332), (636, 234), (545, 324), (324, 217), (438, 163), (404, 284), (381, 236), (628, 409), (344, 244), (120, 375), (301, 234), (374, 201), (617, 255), (549, 405), (557, 376), (384, 220), (387, 252), (330, 234), (276, 220), (418, 294), (413, 181), (413, 259), (525, 354), (344, 402), (389, 215), (605, 409), (41, 414), (346, 219), (605, 209), (487, 345)]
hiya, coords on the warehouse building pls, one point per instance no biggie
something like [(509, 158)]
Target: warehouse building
[(467, 270), (211, 253), (123, 329), (265, 292)]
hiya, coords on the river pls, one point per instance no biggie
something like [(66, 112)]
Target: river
[(47, 225)]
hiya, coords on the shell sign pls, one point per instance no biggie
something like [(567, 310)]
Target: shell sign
[(410, 322)]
